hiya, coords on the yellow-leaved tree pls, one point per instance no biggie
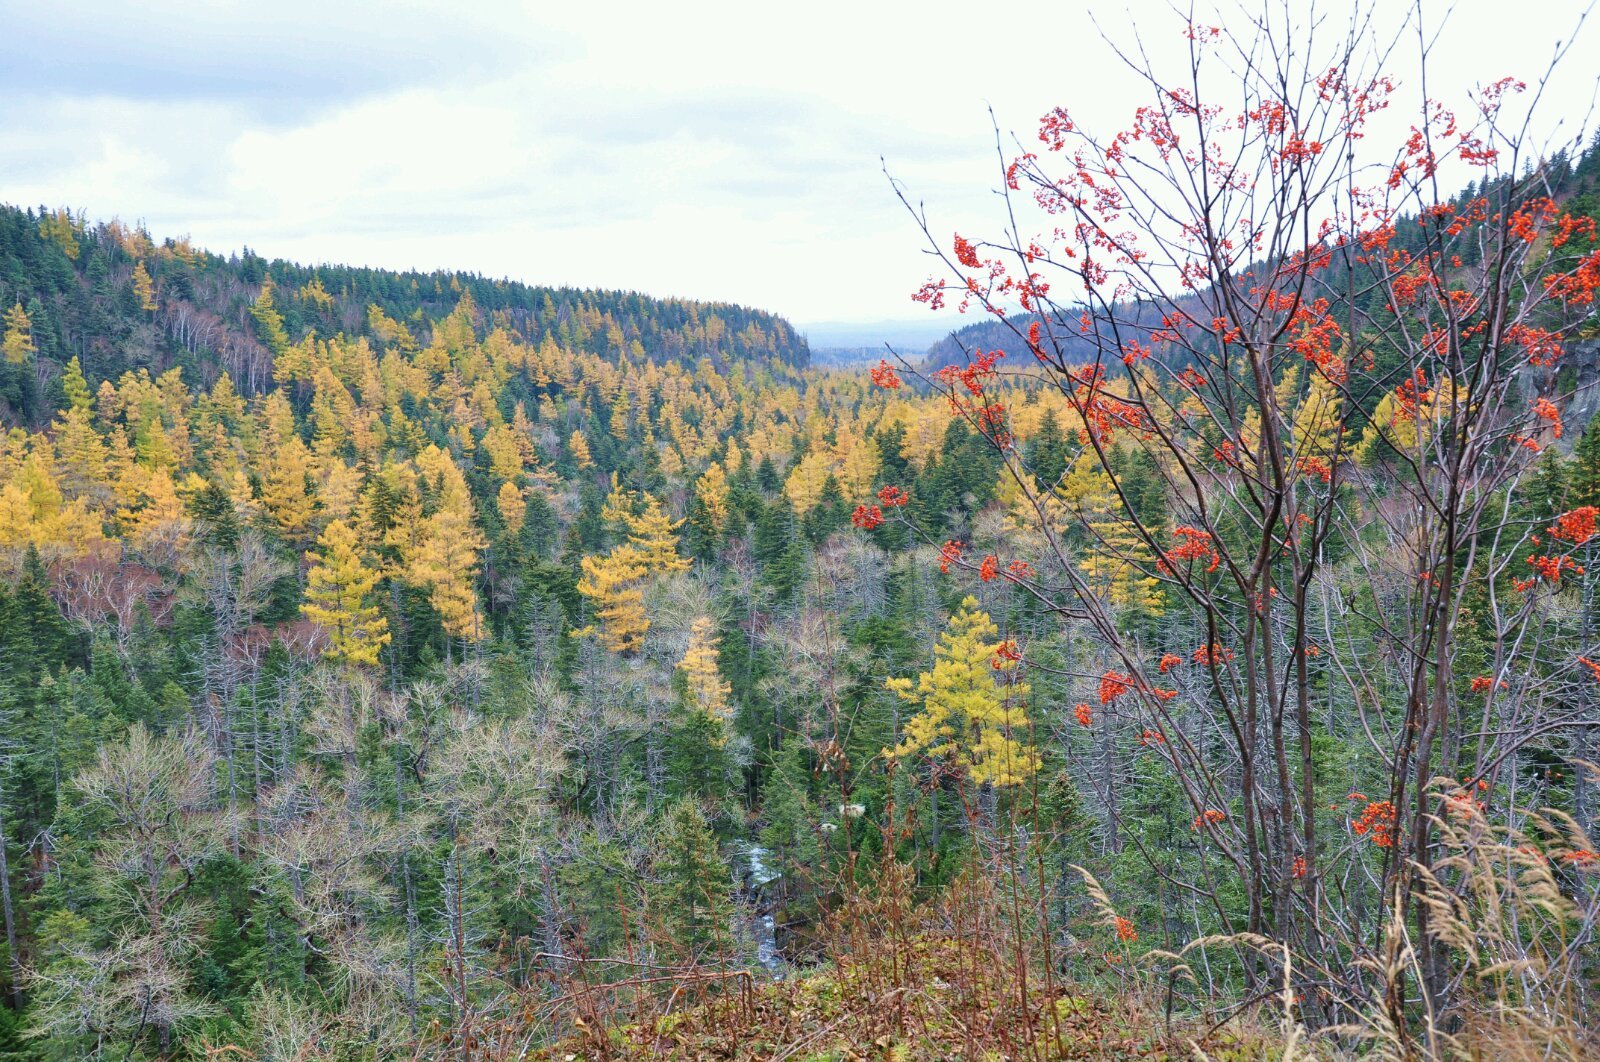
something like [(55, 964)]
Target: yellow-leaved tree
[(1317, 419), (971, 713), (144, 288), (445, 557), (611, 582), (284, 490), (654, 535), (513, 507), (18, 343), (579, 448), (703, 682), (1116, 560), (712, 490), (339, 597)]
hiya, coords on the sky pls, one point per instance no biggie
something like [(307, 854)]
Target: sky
[(730, 151)]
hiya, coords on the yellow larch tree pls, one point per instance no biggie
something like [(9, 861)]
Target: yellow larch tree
[(968, 718), (707, 690), (1317, 419), (144, 288), (712, 490), (80, 453), (339, 597), (33, 512), (619, 506), (505, 455), (579, 447), (1115, 568), (445, 556), (158, 517), (1407, 418), (513, 508), (333, 412), (284, 491), (18, 344), (1114, 556), (314, 293), (654, 535), (804, 485), (611, 582), (338, 491), (58, 227), (446, 562), (269, 322)]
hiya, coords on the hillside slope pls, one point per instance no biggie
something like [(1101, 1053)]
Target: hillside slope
[(117, 299)]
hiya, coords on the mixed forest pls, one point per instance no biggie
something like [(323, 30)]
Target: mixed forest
[(426, 665)]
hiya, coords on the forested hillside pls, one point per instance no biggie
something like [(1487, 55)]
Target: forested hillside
[(1576, 182), (112, 297), (336, 698), (429, 666)]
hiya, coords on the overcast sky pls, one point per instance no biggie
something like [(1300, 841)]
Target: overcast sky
[(725, 151)]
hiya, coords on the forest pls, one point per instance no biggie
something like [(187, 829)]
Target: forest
[(1195, 656)]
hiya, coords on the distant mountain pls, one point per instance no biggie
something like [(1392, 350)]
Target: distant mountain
[(988, 333), (845, 357), (909, 337)]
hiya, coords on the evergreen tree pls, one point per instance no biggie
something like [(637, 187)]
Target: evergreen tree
[(693, 895)]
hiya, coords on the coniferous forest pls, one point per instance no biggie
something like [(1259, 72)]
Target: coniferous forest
[(1196, 656)]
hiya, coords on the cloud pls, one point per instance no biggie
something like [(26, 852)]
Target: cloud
[(713, 149), (277, 61)]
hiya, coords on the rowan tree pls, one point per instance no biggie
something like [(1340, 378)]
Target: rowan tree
[(1174, 282)]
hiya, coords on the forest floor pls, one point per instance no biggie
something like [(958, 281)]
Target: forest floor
[(932, 999)]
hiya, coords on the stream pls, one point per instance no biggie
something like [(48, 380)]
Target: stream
[(758, 874)]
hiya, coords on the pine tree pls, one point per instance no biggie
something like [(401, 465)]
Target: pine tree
[(967, 719), (1584, 475), (338, 598), (777, 546), (1047, 455)]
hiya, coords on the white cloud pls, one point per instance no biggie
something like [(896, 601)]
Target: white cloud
[(720, 150)]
